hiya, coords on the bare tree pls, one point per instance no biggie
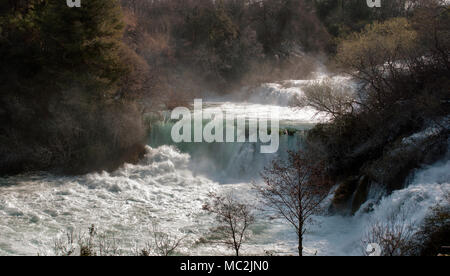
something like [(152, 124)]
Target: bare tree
[(394, 235), (294, 190), (234, 219), (432, 237), (326, 96), (162, 244), (85, 244), (66, 246)]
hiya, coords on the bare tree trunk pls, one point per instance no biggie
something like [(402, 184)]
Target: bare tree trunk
[(300, 219), (300, 237), (300, 245)]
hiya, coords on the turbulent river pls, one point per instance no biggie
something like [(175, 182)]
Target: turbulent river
[(170, 185)]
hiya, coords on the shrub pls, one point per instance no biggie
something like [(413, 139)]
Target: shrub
[(434, 233), (333, 99), (402, 73), (394, 235)]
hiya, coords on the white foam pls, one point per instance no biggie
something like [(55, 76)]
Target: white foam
[(165, 188)]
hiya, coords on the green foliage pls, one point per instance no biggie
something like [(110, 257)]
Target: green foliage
[(61, 71), (379, 43), (343, 17), (61, 45), (213, 31), (86, 39)]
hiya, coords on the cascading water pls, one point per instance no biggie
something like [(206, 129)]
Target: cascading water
[(231, 162), (170, 185)]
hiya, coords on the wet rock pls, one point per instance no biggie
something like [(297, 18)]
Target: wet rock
[(114, 189), (343, 194), (361, 193), (14, 212), (51, 213), (367, 208), (34, 218)]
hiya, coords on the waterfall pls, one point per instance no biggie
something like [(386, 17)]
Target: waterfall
[(172, 182), (226, 162)]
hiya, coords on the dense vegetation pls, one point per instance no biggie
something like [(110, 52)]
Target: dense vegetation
[(202, 45), (396, 121), (343, 17), (65, 100), (75, 82), (434, 231), (402, 65)]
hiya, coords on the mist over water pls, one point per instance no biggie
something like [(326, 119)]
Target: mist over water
[(170, 185)]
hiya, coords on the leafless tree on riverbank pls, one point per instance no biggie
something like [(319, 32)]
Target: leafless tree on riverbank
[(294, 190), (234, 220)]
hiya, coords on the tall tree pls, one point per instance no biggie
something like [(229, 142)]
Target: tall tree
[(60, 72), (294, 190), (85, 41), (234, 219)]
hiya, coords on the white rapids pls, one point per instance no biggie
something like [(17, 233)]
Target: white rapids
[(167, 187)]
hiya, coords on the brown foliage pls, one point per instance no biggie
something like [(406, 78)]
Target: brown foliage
[(198, 45), (402, 70)]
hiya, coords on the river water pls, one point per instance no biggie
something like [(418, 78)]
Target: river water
[(170, 185)]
